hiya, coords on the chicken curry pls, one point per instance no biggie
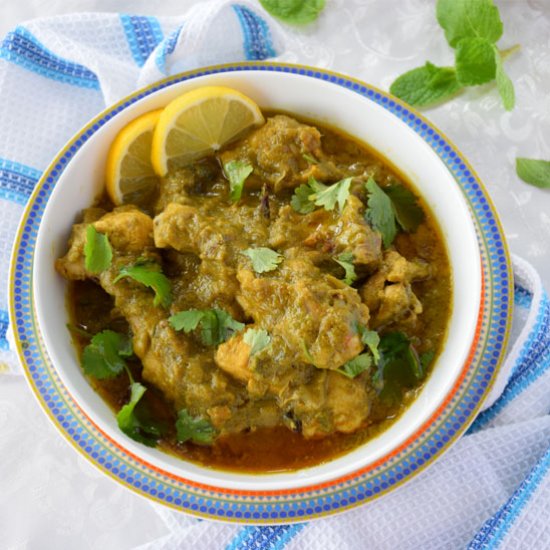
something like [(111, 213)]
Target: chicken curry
[(273, 305)]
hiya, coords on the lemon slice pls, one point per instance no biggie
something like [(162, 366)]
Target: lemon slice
[(130, 177), (200, 122)]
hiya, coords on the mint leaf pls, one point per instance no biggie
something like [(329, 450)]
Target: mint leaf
[(469, 19), (104, 356), (346, 261), (257, 339), (300, 201), (149, 273), (426, 85), (504, 84), (216, 325), (408, 213), (475, 61), (236, 172), (263, 259), (97, 251), (297, 12), (327, 197), (356, 366), (138, 426), (380, 213), (533, 171), (194, 428)]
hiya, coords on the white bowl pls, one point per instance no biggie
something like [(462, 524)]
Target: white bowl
[(82, 181)]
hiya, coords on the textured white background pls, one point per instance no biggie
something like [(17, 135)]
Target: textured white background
[(52, 498)]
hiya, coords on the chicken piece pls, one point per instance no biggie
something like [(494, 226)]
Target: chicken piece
[(129, 230), (232, 356), (315, 313), (185, 229), (388, 293), (276, 151)]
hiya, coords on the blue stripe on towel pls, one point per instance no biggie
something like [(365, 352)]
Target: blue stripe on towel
[(4, 319), (143, 35), (495, 529), (23, 49), (257, 37), (533, 361), (522, 297), (167, 47), (17, 181), (266, 538)]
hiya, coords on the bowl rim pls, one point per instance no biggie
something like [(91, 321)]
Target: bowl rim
[(354, 85)]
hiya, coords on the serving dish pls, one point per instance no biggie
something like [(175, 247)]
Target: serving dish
[(444, 408)]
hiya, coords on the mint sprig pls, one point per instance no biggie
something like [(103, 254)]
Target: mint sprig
[(472, 28)]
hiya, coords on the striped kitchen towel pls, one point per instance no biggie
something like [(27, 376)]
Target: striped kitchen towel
[(491, 490)]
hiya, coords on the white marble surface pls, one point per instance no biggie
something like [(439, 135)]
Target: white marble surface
[(68, 503)]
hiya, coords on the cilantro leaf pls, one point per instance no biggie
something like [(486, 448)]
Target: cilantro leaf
[(371, 339), (469, 19), (216, 325), (399, 366), (194, 428), (138, 426), (356, 366), (426, 85), (186, 320), (257, 339), (328, 197), (104, 356), (504, 84), (346, 261), (533, 171), (97, 251), (263, 259), (475, 61), (380, 212), (426, 359), (149, 273), (408, 213), (300, 201), (236, 172), (296, 12)]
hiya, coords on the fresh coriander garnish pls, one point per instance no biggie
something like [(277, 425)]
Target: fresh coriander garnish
[(104, 356), (193, 428), (236, 172), (346, 261), (380, 212), (314, 193), (257, 339), (356, 366), (216, 325), (300, 201), (138, 425), (149, 273), (408, 214), (399, 366), (263, 259), (97, 251), (296, 12), (533, 171), (472, 28), (371, 339)]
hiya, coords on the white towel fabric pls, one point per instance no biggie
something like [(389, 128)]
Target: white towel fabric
[(492, 489)]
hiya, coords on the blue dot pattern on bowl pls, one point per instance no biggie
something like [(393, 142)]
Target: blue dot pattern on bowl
[(305, 503)]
